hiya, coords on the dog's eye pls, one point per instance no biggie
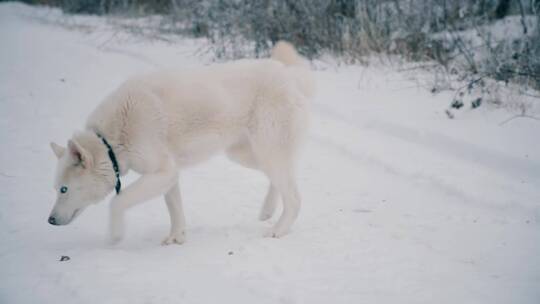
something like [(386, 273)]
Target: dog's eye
[(63, 189)]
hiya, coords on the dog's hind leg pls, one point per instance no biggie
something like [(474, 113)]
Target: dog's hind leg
[(270, 203), (176, 213), (277, 159), (242, 154), (284, 182), (275, 132)]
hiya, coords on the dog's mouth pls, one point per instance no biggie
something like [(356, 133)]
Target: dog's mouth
[(75, 214), (56, 220)]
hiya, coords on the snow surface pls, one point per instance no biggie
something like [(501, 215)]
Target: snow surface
[(400, 204)]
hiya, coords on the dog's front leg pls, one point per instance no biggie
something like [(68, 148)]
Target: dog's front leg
[(176, 213), (148, 186)]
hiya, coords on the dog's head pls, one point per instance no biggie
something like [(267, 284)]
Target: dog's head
[(83, 177)]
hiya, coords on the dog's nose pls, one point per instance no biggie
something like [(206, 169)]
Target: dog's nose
[(52, 220)]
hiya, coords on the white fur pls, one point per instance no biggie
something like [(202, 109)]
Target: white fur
[(254, 110)]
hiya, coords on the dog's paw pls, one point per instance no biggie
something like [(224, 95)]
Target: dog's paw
[(178, 238), (116, 229), (274, 233), (116, 232), (115, 239)]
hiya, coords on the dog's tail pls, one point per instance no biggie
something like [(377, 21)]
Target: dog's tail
[(285, 53)]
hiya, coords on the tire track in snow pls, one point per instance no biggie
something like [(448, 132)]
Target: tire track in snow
[(130, 54), (432, 181), (504, 164), (379, 163)]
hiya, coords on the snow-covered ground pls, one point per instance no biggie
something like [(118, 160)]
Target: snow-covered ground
[(400, 203)]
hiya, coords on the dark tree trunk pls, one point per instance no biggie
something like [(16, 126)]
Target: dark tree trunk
[(502, 9)]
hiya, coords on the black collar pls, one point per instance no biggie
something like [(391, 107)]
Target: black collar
[(114, 163)]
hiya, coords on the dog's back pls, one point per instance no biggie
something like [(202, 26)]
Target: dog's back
[(210, 108)]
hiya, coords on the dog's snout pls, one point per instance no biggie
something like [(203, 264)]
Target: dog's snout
[(52, 220)]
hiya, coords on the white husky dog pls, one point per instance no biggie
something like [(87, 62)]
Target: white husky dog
[(254, 110)]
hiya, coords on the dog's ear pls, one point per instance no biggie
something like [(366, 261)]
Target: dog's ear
[(79, 154), (58, 150)]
